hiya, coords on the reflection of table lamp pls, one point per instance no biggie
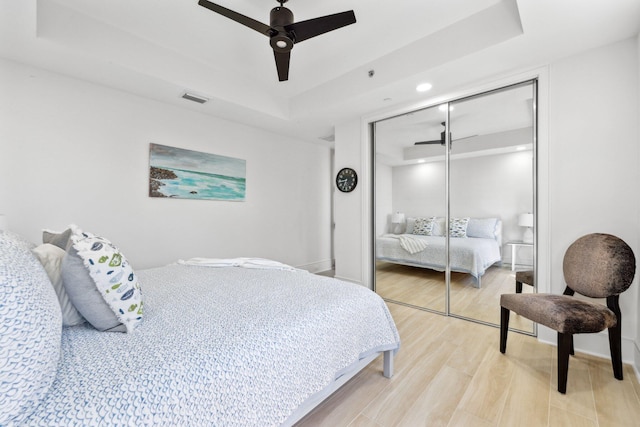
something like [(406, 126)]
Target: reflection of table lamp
[(397, 219), (526, 220)]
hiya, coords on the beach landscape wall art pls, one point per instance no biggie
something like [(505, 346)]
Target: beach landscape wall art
[(187, 174)]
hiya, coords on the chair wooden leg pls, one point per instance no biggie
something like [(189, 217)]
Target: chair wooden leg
[(504, 328), (518, 287), (571, 351), (615, 338), (564, 347)]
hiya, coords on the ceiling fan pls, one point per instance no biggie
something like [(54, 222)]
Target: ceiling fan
[(441, 141), (283, 32)]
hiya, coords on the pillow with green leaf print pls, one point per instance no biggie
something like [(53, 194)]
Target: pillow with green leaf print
[(101, 284)]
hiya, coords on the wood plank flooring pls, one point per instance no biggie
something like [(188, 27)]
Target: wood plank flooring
[(425, 288), (450, 372)]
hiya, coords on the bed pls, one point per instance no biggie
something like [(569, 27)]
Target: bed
[(249, 343), (475, 245)]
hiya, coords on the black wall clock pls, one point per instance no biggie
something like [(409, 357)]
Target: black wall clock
[(346, 180)]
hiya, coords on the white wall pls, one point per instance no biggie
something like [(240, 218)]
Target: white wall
[(384, 199), (499, 185), (76, 152), (349, 238), (593, 153), (594, 172), (420, 190)]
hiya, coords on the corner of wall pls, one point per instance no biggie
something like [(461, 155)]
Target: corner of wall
[(636, 360)]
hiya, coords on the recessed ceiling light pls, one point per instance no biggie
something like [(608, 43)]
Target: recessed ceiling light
[(521, 148), (423, 87)]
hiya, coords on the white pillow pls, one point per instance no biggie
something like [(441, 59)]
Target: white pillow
[(410, 225), (439, 226), (482, 227), (50, 256)]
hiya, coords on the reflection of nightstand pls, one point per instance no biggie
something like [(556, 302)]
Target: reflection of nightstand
[(514, 245)]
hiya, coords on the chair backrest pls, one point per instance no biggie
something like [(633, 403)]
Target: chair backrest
[(599, 265)]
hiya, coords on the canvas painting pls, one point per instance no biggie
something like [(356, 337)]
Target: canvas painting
[(186, 174)]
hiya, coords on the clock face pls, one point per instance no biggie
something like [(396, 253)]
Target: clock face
[(346, 180)]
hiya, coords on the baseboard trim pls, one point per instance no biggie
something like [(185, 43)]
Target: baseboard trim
[(595, 345), (347, 279), (316, 267)]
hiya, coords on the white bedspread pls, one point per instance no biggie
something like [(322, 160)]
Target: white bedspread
[(408, 242), (217, 347), (467, 255), (260, 263)]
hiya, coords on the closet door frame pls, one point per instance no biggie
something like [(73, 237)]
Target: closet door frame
[(540, 179)]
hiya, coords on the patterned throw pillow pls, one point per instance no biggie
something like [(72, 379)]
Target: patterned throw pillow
[(424, 226), (101, 284), (458, 227)]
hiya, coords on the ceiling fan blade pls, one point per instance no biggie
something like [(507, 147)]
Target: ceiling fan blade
[(441, 141), (304, 30), (282, 64), (244, 20), (465, 137), (433, 141)]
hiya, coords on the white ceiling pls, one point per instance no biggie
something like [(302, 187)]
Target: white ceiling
[(161, 48), (496, 122)]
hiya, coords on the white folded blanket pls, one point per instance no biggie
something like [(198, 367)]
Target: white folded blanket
[(261, 263), (408, 243)]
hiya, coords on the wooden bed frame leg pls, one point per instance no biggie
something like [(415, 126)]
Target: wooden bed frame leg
[(387, 362)]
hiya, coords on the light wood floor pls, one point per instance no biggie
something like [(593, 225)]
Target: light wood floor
[(425, 288), (450, 372)]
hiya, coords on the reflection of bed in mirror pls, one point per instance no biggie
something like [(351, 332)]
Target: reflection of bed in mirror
[(423, 244)]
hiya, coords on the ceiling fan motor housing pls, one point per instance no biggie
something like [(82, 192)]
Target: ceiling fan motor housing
[(279, 18)]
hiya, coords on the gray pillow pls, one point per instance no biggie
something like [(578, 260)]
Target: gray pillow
[(57, 238), (51, 256), (85, 296)]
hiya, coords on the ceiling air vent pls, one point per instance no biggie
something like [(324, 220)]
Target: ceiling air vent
[(194, 98)]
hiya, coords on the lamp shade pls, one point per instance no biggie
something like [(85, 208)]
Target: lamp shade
[(525, 220), (397, 218), (3, 222)]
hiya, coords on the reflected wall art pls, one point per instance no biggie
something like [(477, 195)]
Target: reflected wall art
[(186, 174)]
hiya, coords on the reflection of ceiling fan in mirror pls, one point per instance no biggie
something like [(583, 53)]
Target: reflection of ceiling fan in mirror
[(441, 141)]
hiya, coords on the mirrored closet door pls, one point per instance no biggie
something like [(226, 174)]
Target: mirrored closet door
[(411, 187), (455, 203)]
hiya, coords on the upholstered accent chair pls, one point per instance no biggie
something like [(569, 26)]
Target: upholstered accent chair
[(525, 277), (597, 266)]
